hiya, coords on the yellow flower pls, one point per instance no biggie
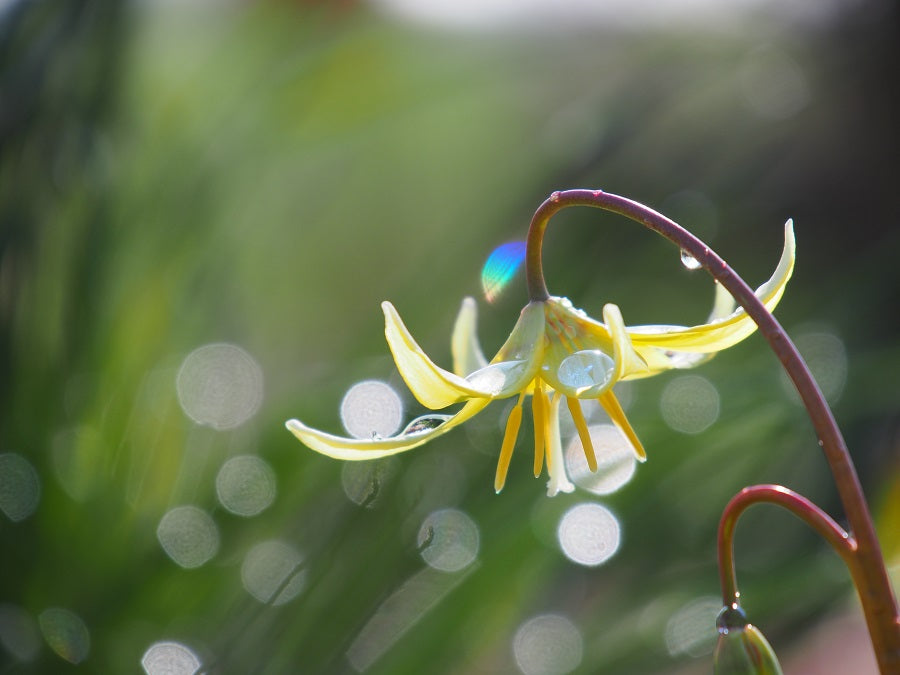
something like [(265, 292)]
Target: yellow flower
[(554, 353)]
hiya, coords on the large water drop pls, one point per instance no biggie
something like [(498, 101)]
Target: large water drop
[(587, 368), (689, 261), (493, 378)]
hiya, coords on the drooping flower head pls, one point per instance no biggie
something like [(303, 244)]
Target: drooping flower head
[(555, 353)]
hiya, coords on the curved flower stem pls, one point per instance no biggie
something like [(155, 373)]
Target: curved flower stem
[(868, 570), (797, 504)]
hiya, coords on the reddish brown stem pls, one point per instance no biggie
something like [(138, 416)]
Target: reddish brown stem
[(800, 506), (868, 570)]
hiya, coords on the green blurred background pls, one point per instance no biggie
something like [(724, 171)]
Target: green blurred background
[(201, 208)]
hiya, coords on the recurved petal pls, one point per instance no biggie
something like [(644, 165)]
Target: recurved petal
[(519, 359), (514, 367), (723, 304), (432, 386), (720, 332), (467, 354), (627, 361), (358, 449)]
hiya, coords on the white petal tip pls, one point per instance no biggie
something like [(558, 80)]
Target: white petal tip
[(553, 490), (294, 425)]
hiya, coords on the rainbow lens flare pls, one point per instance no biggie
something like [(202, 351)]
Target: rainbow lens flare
[(501, 267)]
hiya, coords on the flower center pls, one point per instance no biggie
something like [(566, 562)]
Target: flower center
[(545, 401)]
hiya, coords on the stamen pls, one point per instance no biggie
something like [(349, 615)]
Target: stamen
[(551, 433), (539, 408), (583, 433), (611, 405), (509, 443)]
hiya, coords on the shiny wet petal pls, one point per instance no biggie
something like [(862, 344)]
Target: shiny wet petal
[(357, 449)]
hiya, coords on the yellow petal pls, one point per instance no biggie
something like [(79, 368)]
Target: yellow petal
[(356, 449), (626, 359), (432, 386), (510, 371), (467, 354), (526, 342), (517, 363), (721, 332), (723, 304)]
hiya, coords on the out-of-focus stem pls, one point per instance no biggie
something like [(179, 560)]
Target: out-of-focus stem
[(866, 562)]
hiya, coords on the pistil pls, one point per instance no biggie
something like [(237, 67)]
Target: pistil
[(539, 407)]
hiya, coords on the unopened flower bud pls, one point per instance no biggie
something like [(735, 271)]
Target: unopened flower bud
[(742, 649)]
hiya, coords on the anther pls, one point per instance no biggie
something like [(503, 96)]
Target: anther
[(611, 405), (539, 405), (583, 433)]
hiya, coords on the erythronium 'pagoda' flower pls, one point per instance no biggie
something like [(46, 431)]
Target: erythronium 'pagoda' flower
[(555, 353)]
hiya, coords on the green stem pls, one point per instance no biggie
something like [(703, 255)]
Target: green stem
[(876, 596)]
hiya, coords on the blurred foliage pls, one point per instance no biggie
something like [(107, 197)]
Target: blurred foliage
[(265, 174)]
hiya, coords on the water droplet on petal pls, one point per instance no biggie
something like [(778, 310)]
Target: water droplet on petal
[(684, 360), (501, 267), (492, 379), (587, 368), (424, 423), (689, 261)]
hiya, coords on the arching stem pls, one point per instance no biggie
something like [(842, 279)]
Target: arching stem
[(866, 562), (800, 506)]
